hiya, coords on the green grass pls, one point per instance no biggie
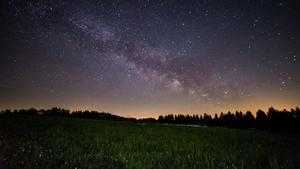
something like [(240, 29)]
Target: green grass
[(53, 142)]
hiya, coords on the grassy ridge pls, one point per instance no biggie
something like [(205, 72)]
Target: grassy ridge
[(52, 142)]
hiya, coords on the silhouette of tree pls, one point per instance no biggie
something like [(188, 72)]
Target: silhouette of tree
[(169, 118), (239, 120), (261, 119), (216, 120), (273, 120), (161, 119)]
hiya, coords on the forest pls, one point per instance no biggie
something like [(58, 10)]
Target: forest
[(272, 120)]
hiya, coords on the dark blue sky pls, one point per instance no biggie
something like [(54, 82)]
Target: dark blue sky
[(144, 58)]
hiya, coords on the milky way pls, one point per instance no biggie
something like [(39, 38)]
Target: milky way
[(144, 58)]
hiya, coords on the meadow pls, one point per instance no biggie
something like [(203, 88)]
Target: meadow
[(56, 142)]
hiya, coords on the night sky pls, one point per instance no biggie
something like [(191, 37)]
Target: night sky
[(145, 58)]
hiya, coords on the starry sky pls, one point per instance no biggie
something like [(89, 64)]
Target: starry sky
[(148, 57)]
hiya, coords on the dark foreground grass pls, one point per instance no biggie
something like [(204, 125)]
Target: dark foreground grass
[(53, 142)]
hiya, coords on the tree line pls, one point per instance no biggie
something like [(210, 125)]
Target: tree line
[(60, 112), (272, 120)]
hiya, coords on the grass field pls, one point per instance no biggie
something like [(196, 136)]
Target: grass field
[(53, 142)]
